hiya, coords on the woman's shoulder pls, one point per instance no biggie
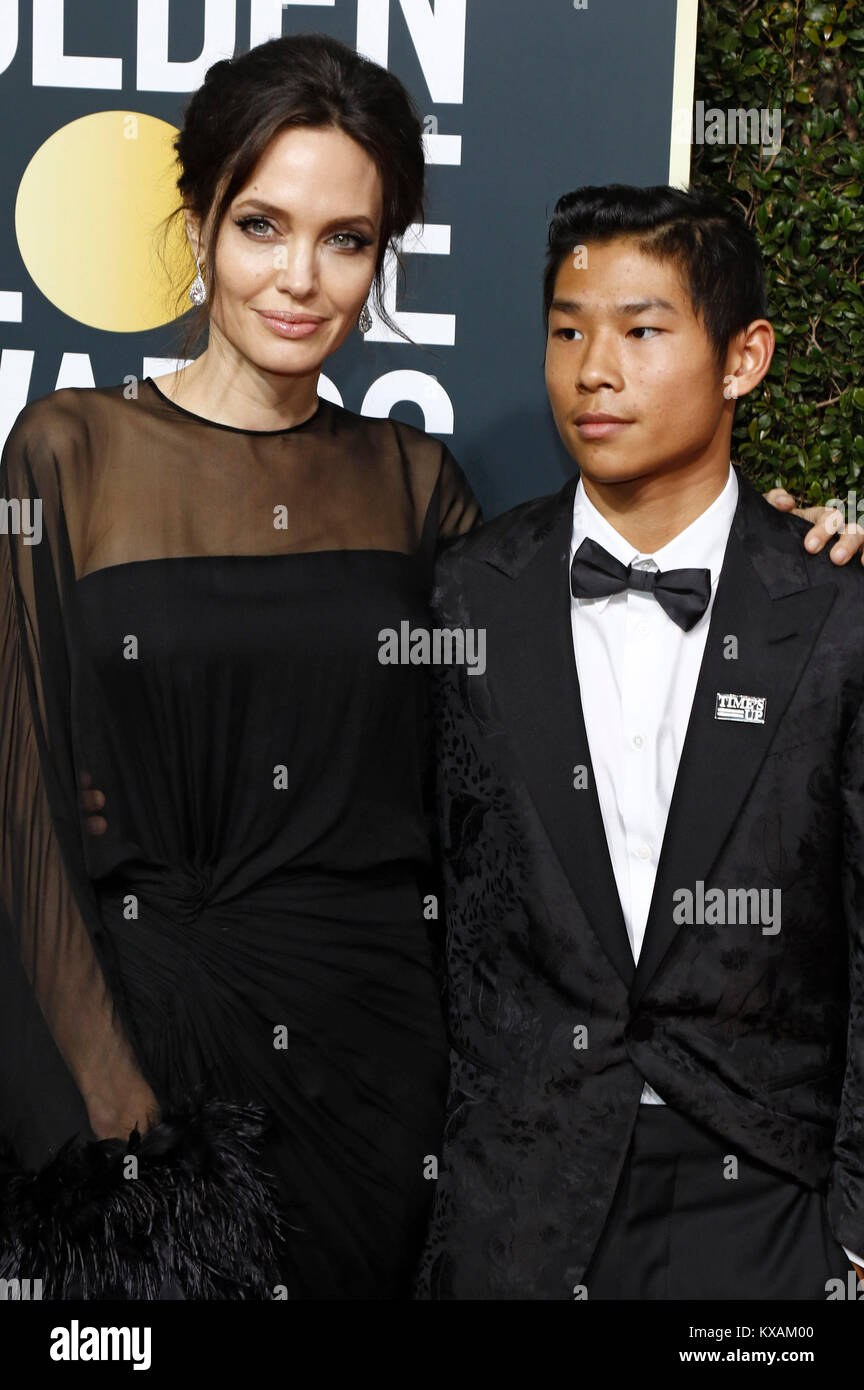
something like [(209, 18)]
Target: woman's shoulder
[(57, 439), (389, 436), (443, 499), (63, 416)]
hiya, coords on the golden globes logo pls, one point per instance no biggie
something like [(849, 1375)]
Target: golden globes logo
[(87, 219)]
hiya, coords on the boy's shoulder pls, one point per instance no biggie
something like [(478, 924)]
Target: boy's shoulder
[(819, 567), (503, 537)]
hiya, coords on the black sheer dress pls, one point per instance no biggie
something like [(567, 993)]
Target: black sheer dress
[(194, 620)]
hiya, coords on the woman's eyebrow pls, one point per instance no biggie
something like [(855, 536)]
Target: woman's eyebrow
[(260, 205)]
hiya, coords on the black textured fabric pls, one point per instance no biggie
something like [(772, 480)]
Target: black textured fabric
[(194, 1218), (197, 629), (693, 1219), (758, 1036)]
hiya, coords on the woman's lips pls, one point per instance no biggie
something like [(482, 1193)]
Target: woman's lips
[(285, 328)]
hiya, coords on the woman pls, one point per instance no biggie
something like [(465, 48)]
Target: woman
[(198, 628), (222, 1058)]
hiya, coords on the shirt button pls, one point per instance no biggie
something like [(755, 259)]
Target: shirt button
[(643, 852), (638, 741), (643, 629)]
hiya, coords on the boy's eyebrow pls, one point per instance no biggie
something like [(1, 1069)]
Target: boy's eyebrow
[(573, 306)]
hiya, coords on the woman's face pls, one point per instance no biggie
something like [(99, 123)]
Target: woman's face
[(299, 242)]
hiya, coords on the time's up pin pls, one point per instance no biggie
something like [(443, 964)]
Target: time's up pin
[(744, 709)]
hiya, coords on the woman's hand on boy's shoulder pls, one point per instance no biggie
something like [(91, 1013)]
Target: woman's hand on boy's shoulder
[(828, 528)]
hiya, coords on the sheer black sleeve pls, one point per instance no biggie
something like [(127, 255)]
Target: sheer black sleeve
[(50, 921), (459, 510), (72, 1091)]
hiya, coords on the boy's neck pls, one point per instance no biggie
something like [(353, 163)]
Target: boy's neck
[(651, 511)]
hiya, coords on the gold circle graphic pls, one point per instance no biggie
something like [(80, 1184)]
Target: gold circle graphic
[(87, 219)]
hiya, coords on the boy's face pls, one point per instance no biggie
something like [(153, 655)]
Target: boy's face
[(624, 341)]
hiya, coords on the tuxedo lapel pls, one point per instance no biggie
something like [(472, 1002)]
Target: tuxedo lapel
[(533, 680), (765, 606)]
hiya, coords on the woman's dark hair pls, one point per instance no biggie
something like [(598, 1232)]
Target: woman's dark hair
[(297, 80), (714, 249)]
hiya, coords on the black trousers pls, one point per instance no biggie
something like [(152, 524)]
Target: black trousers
[(694, 1219)]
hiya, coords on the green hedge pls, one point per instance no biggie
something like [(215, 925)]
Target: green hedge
[(804, 427)]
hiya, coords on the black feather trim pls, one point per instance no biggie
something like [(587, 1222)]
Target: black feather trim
[(199, 1221)]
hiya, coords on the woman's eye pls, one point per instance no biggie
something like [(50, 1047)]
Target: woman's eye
[(245, 223), (350, 241), (644, 329)]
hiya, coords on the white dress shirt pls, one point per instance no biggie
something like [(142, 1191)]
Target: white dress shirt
[(637, 677)]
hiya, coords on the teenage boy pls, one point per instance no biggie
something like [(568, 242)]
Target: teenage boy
[(652, 807)]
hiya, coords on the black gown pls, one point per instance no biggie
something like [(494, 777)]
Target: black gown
[(199, 628)]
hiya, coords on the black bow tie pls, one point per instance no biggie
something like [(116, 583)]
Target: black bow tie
[(682, 594)]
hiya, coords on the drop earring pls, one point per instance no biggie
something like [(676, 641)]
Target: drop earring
[(198, 290), (364, 322), (730, 388)]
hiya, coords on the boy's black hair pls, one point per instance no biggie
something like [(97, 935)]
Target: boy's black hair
[(714, 249)]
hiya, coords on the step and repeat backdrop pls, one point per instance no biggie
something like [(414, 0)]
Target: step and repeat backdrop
[(520, 103)]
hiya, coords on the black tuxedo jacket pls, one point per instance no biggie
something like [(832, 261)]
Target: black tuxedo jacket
[(759, 1035)]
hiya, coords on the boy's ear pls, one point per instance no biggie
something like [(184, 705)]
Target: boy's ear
[(748, 358)]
